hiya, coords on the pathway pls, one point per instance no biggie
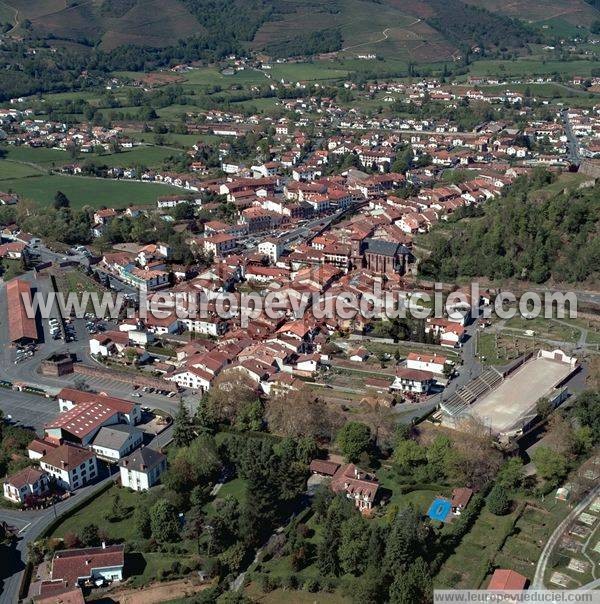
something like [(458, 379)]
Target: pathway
[(540, 571)]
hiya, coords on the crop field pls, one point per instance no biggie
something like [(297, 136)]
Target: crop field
[(82, 191)]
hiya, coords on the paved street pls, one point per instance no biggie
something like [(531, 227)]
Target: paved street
[(573, 141)]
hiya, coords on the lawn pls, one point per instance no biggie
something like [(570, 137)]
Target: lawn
[(528, 67), (307, 71), (150, 156), (81, 191), (10, 170), (467, 567), (94, 513), (146, 567), (42, 156), (545, 328), (501, 349)]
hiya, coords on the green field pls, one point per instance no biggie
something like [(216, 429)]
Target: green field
[(307, 71), (468, 566), (81, 191), (528, 67), (94, 513), (10, 170)]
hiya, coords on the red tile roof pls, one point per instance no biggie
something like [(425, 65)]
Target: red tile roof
[(461, 497), (24, 477), (20, 326), (75, 564), (77, 397), (507, 579), (353, 480), (67, 457), (322, 466), (83, 418)]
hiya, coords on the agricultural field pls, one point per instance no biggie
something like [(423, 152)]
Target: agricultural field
[(81, 190)]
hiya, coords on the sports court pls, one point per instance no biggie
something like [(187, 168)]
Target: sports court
[(516, 396)]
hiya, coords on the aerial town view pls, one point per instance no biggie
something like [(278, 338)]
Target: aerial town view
[(299, 301)]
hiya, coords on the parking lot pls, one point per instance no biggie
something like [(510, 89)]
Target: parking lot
[(26, 409)]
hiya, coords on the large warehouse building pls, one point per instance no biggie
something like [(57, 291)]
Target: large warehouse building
[(506, 402), (21, 328)]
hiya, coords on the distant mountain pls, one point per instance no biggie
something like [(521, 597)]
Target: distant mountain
[(414, 30)]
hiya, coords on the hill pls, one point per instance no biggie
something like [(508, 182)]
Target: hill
[(420, 30)]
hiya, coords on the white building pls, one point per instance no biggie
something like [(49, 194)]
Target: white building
[(272, 248), (71, 467), (114, 442), (434, 363), (29, 483), (142, 469)]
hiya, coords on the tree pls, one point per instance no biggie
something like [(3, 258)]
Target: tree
[(550, 465), (354, 545), (230, 392), (163, 521), (544, 407), (510, 475), (353, 440), (498, 501), (90, 536), (408, 454), (117, 510), (404, 542), (299, 413), (183, 429), (587, 411), (412, 587), (61, 201), (142, 521), (367, 588), (328, 560)]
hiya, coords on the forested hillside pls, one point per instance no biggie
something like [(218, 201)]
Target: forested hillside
[(516, 237)]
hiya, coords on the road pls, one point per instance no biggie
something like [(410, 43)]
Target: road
[(32, 523), (540, 571), (574, 149)]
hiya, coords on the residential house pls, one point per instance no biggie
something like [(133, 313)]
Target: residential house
[(70, 466), (413, 380), (26, 486), (79, 566), (142, 469)]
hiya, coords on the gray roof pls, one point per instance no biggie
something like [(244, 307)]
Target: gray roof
[(143, 459), (114, 437), (385, 248)]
